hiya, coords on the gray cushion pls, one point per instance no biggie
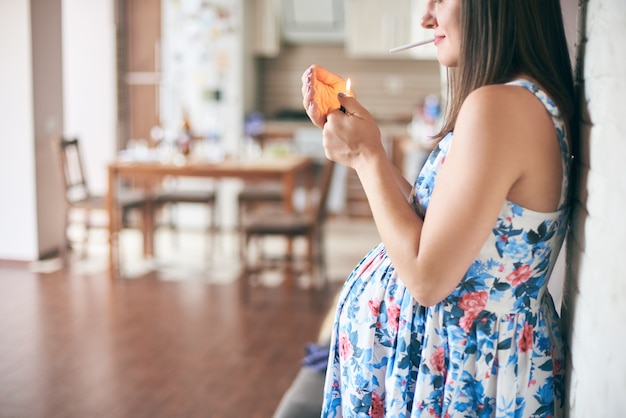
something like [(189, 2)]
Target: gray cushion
[(304, 397)]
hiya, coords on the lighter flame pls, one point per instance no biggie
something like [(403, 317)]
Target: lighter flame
[(348, 85)]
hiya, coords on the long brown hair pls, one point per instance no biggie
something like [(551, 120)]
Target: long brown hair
[(501, 39)]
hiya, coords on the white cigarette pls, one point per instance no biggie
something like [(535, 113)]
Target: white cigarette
[(409, 46)]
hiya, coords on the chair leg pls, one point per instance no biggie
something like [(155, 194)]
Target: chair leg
[(211, 229), (322, 259), (247, 272), (257, 268), (87, 232), (312, 260), (319, 259), (66, 245), (172, 224), (241, 207)]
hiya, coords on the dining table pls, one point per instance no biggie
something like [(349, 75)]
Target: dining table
[(288, 169)]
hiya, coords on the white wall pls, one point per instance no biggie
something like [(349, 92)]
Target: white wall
[(18, 229), (89, 83), (26, 162), (595, 308)]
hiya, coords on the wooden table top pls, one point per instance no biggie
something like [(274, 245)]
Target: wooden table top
[(270, 166)]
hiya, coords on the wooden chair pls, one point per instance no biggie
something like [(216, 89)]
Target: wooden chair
[(252, 197), (259, 195), (308, 224), (170, 198), (78, 196)]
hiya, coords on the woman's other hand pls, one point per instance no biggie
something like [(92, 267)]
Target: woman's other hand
[(320, 88), (351, 136)]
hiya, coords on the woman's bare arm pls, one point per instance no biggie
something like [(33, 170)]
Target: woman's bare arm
[(489, 155)]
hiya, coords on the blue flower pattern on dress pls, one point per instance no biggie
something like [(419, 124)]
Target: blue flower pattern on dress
[(492, 348)]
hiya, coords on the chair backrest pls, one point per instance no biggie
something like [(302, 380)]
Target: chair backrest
[(323, 185), (76, 187)]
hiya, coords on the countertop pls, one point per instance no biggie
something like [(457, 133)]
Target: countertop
[(278, 129)]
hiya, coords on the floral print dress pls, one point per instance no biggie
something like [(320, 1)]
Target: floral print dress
[(492, 348)]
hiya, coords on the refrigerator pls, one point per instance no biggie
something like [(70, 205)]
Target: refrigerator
[(202, 70)]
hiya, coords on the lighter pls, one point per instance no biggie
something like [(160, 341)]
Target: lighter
[(348, 85)]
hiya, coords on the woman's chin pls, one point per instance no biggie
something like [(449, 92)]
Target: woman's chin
[(446, 60)]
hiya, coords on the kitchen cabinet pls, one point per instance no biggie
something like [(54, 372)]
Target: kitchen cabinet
[(266, 39), (375, 26)]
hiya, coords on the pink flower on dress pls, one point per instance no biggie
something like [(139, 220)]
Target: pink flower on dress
[(472, 303), (377, 410), (345, 346), (393, 311), (437, 361), (525, 342), (467, 320), (520, 275), (374, 306)]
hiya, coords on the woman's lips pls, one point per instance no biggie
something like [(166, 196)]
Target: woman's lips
[(439, 39)]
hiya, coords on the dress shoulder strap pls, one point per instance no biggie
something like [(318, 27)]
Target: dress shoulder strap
[(559, 125)]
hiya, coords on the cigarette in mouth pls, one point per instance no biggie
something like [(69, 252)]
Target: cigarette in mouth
[(411, 45)]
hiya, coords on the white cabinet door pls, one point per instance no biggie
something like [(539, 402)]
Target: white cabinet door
[(375, 26), (266, 39)]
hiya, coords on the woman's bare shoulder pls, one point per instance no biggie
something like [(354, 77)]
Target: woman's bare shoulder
[(506, 108), (501, 98), (509, 131)]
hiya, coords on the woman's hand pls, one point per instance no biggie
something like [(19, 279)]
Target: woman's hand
[(351, 136), (320, 88), (349, 133)]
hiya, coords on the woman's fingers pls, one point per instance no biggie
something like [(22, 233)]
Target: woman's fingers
[(319, 93)]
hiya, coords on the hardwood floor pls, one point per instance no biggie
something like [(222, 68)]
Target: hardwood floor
[(74, 344)]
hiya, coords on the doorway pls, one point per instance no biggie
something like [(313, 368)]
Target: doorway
[(138, 68)]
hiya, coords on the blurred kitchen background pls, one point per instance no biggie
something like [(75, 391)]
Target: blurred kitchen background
[(119, 72)]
